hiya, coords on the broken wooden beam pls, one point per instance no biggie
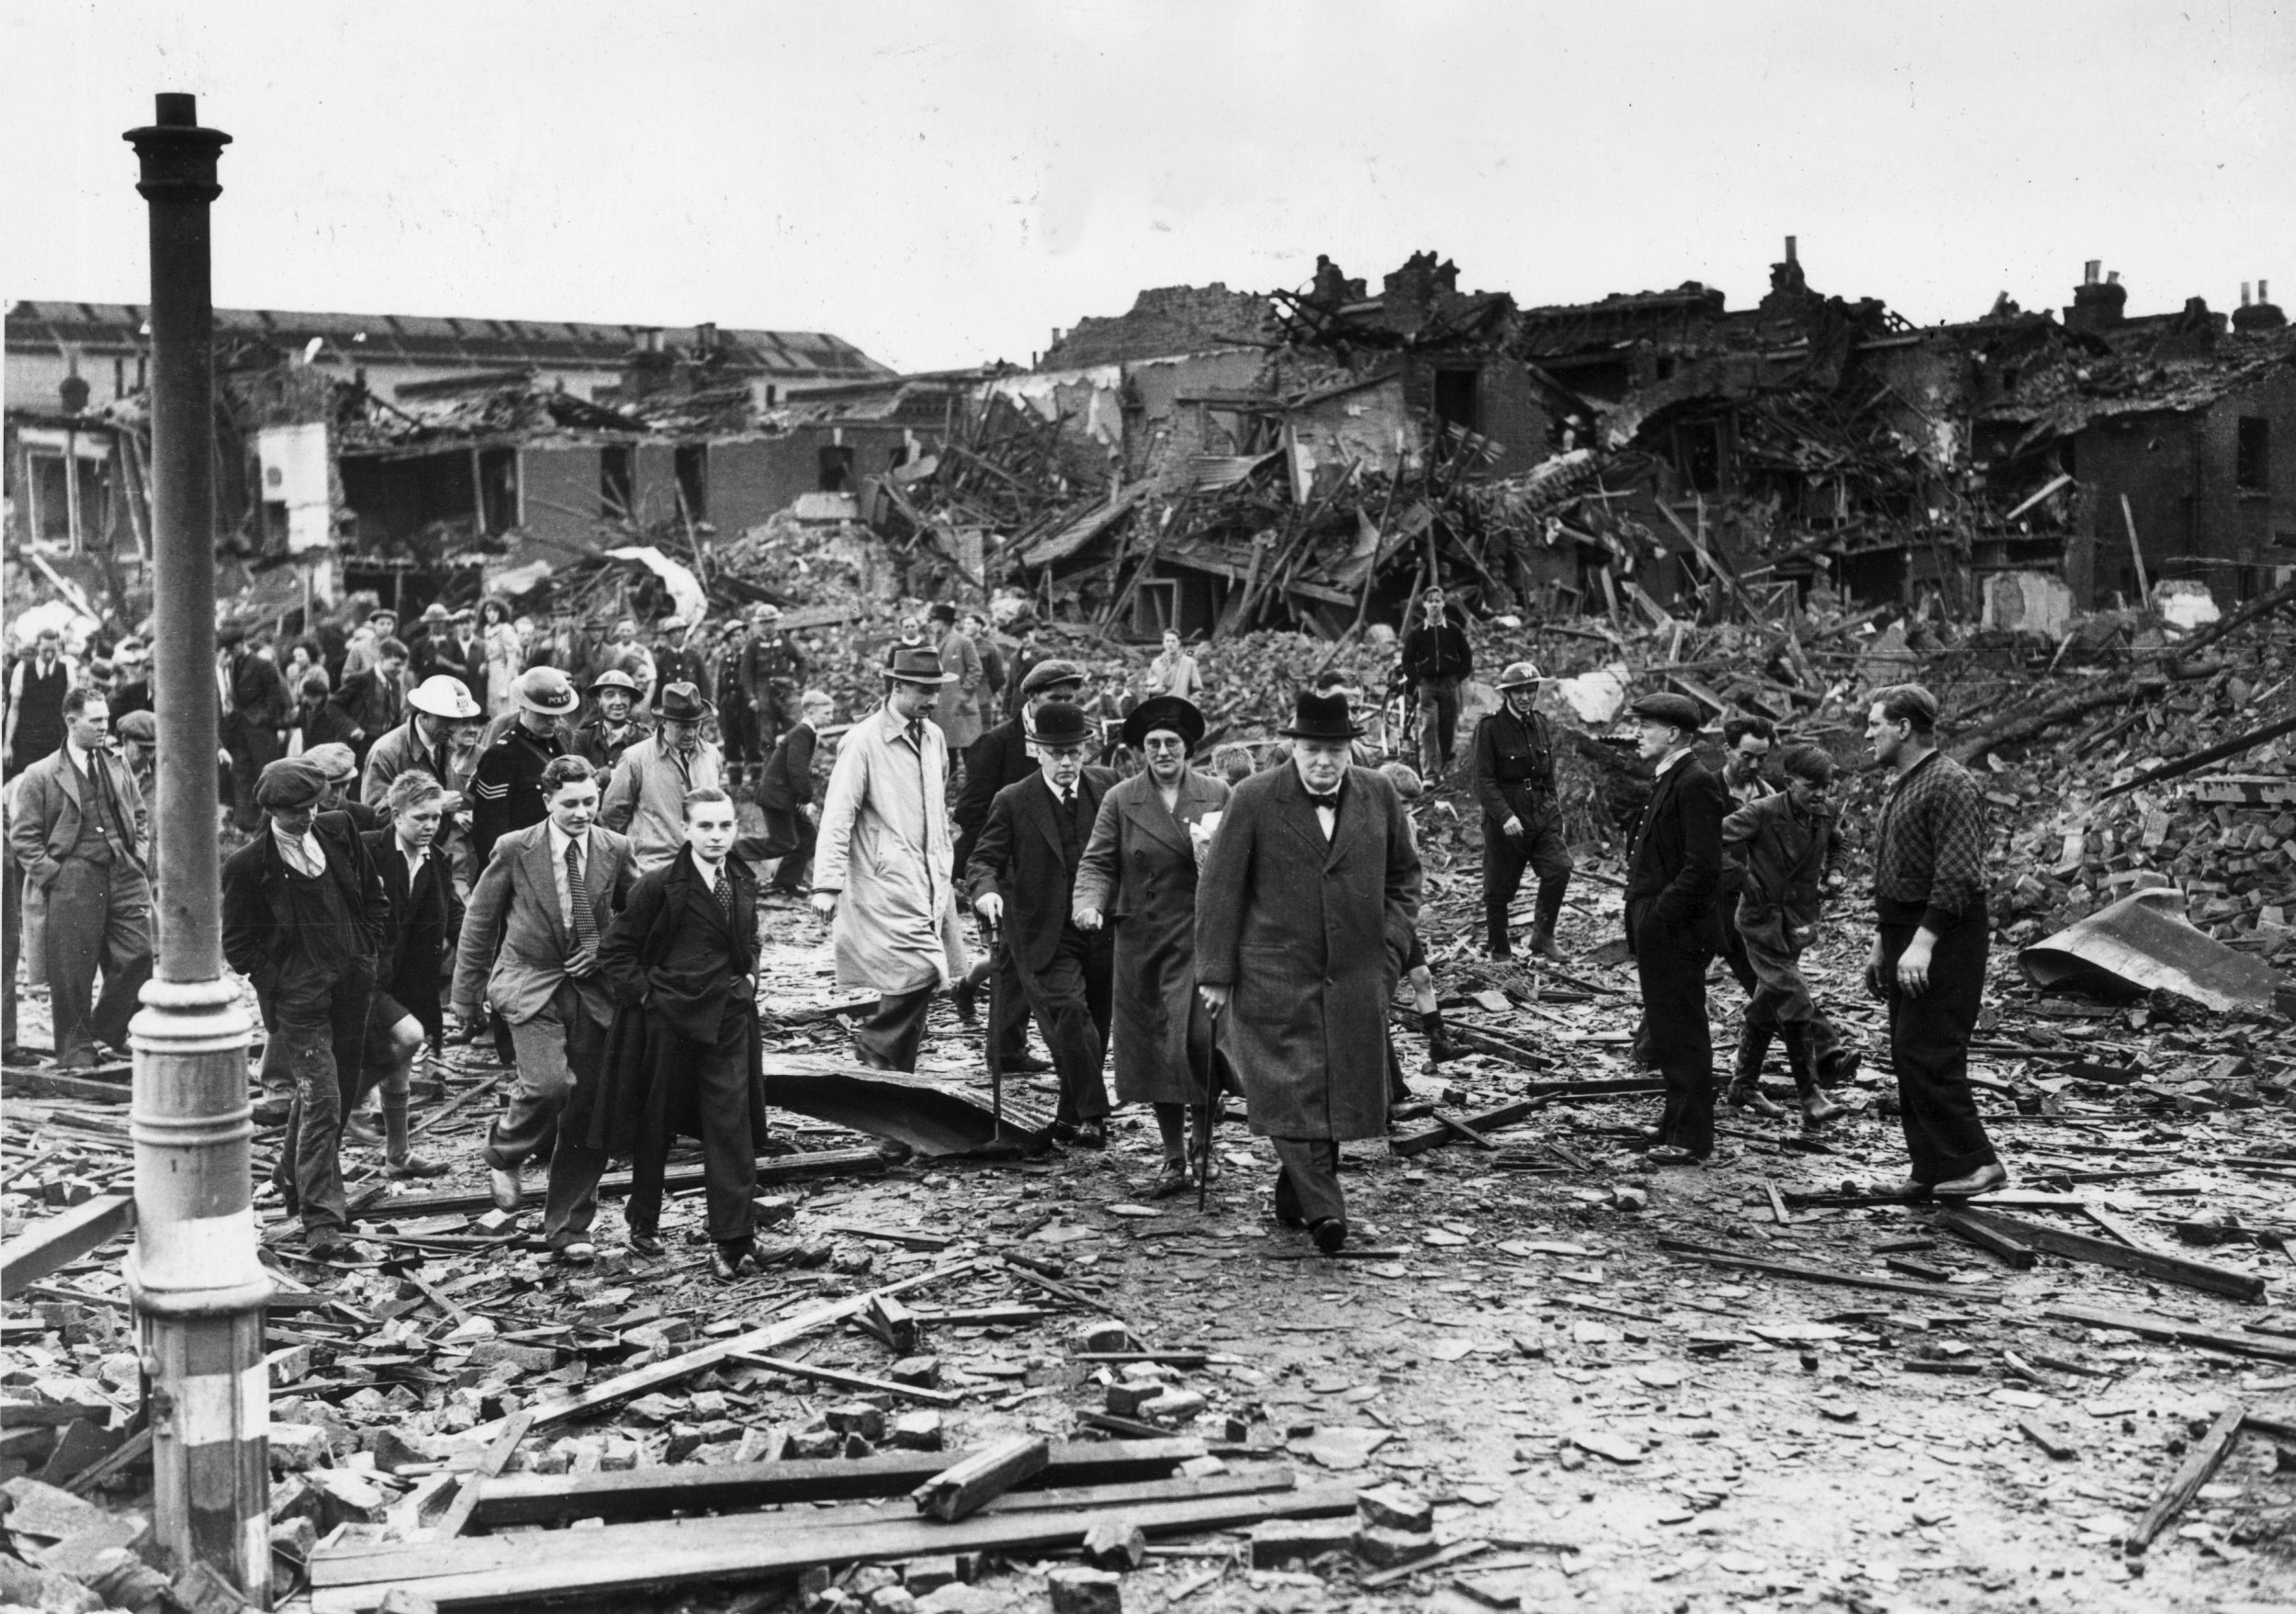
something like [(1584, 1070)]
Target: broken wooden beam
[(57, 1241), (615, 1184), (2105, 1252), (2200, 1462), (2152, 1327), (1537, 1096), (643, 1493), (961, 1489), (838, 1376), (1987, 1237), (491, 1462), (1815, 1274)]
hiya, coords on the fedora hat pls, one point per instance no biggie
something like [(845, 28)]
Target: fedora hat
[(1164, 712), (1322, 717), (1058, 723), (918, 664), (681, 703)]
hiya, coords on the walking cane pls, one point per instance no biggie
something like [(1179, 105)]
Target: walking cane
[(1211, 1090)]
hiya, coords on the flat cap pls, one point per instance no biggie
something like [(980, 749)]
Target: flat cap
[(334, 758), (141, 727), (1047, 674), (288, 783), (1678, 709)]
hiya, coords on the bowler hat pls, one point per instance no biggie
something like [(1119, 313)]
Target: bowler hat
[(547, 691), (681, 703), (918, 664), (1059, 723), (1678, 709), (1168, 712), (1050, 675), (288, 783), (1322, 717), (941, 610)]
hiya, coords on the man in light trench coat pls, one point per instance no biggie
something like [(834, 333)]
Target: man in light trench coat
[(1303, 917)]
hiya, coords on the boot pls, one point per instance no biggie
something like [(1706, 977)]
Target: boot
[(1816, 1108), (1440, 1046), (1745, 1092), (1548, 911), (1495, 923)]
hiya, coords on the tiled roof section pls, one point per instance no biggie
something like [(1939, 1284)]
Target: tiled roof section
[(108, 329), (2081, 386), (1166, 321)]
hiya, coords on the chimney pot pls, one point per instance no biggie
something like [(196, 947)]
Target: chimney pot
[(2244, 294), (2263, 293), (1789, 250), (2112, 278), (2089, 271), (174, 109)]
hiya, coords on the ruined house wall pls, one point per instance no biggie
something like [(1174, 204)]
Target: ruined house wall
[(752, 478), (2257, 526), (560, 491), (1508, 409)]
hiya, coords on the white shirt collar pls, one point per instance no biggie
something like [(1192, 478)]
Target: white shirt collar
[(304, 847), (710, 872), (1667, 762), (560, 840), (80, 759), (416, 858)]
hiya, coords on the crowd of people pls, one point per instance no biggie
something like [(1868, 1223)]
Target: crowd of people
[(482, 830)]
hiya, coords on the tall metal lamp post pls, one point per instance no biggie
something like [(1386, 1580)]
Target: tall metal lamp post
[(193, 1274)]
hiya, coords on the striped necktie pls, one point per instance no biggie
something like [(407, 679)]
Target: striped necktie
[(578, 895)]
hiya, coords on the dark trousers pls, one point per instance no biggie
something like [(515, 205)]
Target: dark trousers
[(889, 1039), (1540, 850), (1929, 1047), (730, 1155), (737, 726), (1438, 723), (1009, 1026), (251, 749), (100, 917), (1061, 997), (316, 1017), (1673, 979), (1307, 1179), (1762, 1008), (789, 835)]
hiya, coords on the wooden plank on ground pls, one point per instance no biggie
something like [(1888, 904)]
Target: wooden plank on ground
[(626, 1558), (1815, 1274), (2153, 1327), (966, 1486), (496, 1458), (2105, 1252), (2200, 1462), (838, 1376), (57, 1241), (530, 1498), (771, 1168), (1987, 1236)]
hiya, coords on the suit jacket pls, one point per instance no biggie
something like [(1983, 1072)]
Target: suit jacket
[(372, 702), (259, 931), (675, 964), (45, 823), (1675, 864), (325, 723), (445, 655), (515, 939), (424, 920), (1018, 857), (259, 696), (1000, 757), (1312, 936), (787, 783)]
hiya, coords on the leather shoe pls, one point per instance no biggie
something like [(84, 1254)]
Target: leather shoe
[(726, 1260), (331, 1246), (648, 1245), (1905, 1188), (1751, 1097), (1025, 1063), (963, 996), (413, 1165), (504, 1185), (1672, 1155), (1063, 1132), (1329, 1233), (361, 1133), (1091, 1134), (1172, 1179), (1984, 1180), (581, 1253)]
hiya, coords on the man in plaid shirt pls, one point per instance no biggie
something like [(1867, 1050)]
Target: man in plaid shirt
[(1929, 952)]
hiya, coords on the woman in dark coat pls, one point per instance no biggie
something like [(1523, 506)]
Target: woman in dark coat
[(685, 1057), (1139, 872)]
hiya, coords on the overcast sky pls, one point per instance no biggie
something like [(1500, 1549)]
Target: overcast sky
[(943, 184)]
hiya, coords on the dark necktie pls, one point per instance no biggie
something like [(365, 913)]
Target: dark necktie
[(578, 893), (725, 894), (1066, 813)]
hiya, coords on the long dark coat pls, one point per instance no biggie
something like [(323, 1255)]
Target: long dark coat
[(1140, 872), (1675, 864), (671, 962), (1311, 937), (425, 921), (1018, 857)]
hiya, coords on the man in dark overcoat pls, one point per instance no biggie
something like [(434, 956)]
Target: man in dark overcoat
[(999, 758), (1139, 876), (785, 795), (1515, 781), (1022, 878), (1674, 928), (1304, 915), (685, 1057)]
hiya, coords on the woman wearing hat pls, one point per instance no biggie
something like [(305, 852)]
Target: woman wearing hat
[(1139, 874), (1304, 917)]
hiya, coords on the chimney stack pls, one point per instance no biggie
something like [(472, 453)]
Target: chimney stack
[(705, 336), (2096, 305), (2244, 294), (2260, 315), (1790, 256)]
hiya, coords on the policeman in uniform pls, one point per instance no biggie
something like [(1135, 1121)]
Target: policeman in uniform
[(506, 790), (1514, 780), (771, 670), (737, 717)]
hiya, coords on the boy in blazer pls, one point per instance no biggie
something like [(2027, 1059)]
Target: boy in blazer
[(785, 796), (1023, 877), (529, 947), (1673, 926)]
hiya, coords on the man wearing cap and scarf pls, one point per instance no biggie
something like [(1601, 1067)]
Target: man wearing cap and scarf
[(529, 946), (1674, 928), (646, 797), (139, 735), (1304, 915), (77, 828), (506, 789), (305, 915), (1928, 961), (603, 739), (1022, 879), (772, 669), (999, 759), (1515, 781), (1138, 875), (882, 868)]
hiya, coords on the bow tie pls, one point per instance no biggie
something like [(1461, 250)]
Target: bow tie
[(1325, 803)]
